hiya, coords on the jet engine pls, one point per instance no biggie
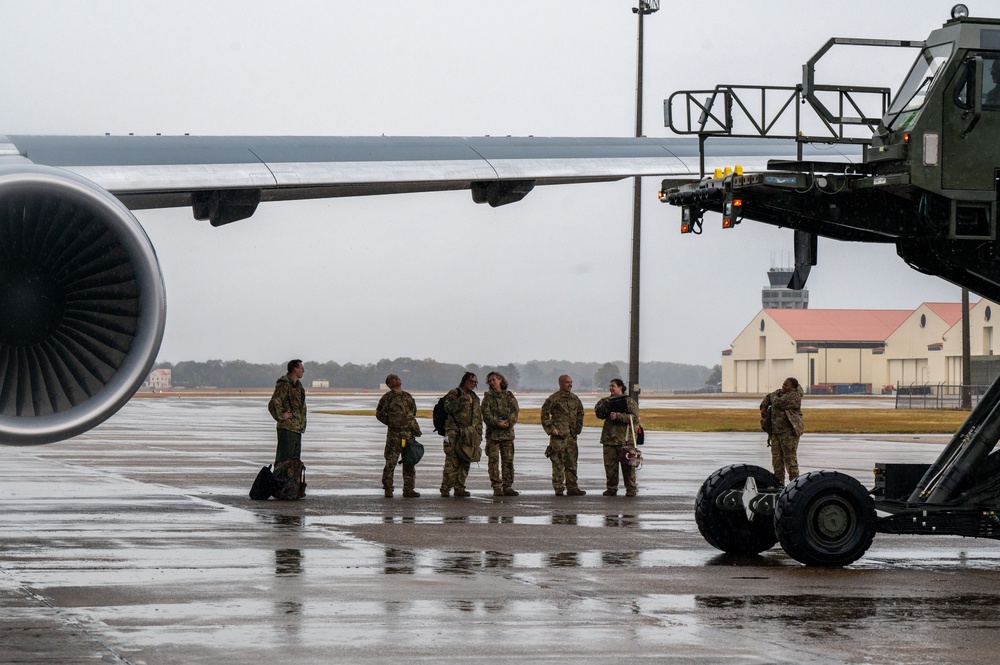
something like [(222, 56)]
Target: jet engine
[(82, 304)]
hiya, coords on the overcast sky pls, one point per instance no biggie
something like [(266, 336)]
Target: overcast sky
[(434, 275)]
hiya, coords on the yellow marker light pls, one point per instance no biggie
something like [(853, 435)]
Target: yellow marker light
[(737, 203), (727, 223), (739, 169), (906, 138), (685, 227), (661, 195), (718, 173)]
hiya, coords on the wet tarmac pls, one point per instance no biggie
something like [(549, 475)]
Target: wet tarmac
[(136, 543)]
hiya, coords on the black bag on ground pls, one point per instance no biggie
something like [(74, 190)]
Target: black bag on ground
[(264, 485), (413, 451)]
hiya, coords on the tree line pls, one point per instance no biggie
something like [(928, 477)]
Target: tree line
[(429, 374)]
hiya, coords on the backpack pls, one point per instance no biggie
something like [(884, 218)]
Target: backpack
[(290, 480), (440, 417), (264, 485), (765, 421)]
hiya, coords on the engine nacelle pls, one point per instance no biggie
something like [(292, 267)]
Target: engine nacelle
[(82, 304)]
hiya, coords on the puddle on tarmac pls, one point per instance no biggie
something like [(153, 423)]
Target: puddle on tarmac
[(824, 615), (402, 561)]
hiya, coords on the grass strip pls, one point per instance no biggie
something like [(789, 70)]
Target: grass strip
[(817, 421)]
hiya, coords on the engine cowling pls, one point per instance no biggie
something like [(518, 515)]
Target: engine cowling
[(82, 305)]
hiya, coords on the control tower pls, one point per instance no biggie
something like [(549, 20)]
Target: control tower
[(777, 295)]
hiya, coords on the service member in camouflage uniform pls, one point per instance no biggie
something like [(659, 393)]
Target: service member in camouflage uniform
[(500, 415), (783, 408), (615, 435), (562, 420), (465, 419), (398, 412), (288, 407)]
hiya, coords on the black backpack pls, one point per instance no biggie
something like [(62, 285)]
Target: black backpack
[(264, 485), (440, 417)]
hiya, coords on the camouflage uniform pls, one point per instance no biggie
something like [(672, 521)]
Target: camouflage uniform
[(464, 413), (499, 440), (288, 395), (786, 428), (563, 411), (615, 435), (398, 412)]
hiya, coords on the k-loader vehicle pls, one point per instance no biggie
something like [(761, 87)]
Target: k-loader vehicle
[(928, 182)]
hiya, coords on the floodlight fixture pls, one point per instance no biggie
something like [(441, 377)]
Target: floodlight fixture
[(647, 7)]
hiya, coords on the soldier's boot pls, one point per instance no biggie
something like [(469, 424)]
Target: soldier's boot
[(610, 492), (559, 492), (575, 491), (631, 492), (445, 491), (388, 494), (411, 494), (510, 491), (461, 493), (497, 491)]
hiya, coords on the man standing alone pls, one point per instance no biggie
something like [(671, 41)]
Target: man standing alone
[(398, 412), (562, 419), (288, 407), (782, 409)]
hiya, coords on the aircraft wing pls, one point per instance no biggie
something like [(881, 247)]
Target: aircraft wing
[(82, 302), (176, 171)]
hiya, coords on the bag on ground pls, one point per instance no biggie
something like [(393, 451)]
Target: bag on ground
[(263, 485), (290, 477)]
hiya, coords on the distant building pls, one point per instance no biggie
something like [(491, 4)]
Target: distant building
[(158, 379), (854, 350), (777, 295), (320, 383)]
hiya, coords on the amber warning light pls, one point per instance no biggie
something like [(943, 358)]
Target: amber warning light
[(686, 220), (730, 213)]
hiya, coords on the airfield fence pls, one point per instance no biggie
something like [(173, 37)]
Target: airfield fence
[(936, 396)]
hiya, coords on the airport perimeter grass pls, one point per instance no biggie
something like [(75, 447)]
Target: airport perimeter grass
[(828, 421)]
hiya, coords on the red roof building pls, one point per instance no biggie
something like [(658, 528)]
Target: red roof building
[(855, 350)]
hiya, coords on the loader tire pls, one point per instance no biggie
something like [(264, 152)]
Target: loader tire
[(825, 518), (730, 530)]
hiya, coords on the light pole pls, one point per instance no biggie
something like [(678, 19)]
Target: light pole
[(645, 7)]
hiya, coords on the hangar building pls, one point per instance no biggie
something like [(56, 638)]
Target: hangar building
[(860, 351)]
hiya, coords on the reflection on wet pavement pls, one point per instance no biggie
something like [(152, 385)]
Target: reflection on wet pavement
[(287, 562)]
